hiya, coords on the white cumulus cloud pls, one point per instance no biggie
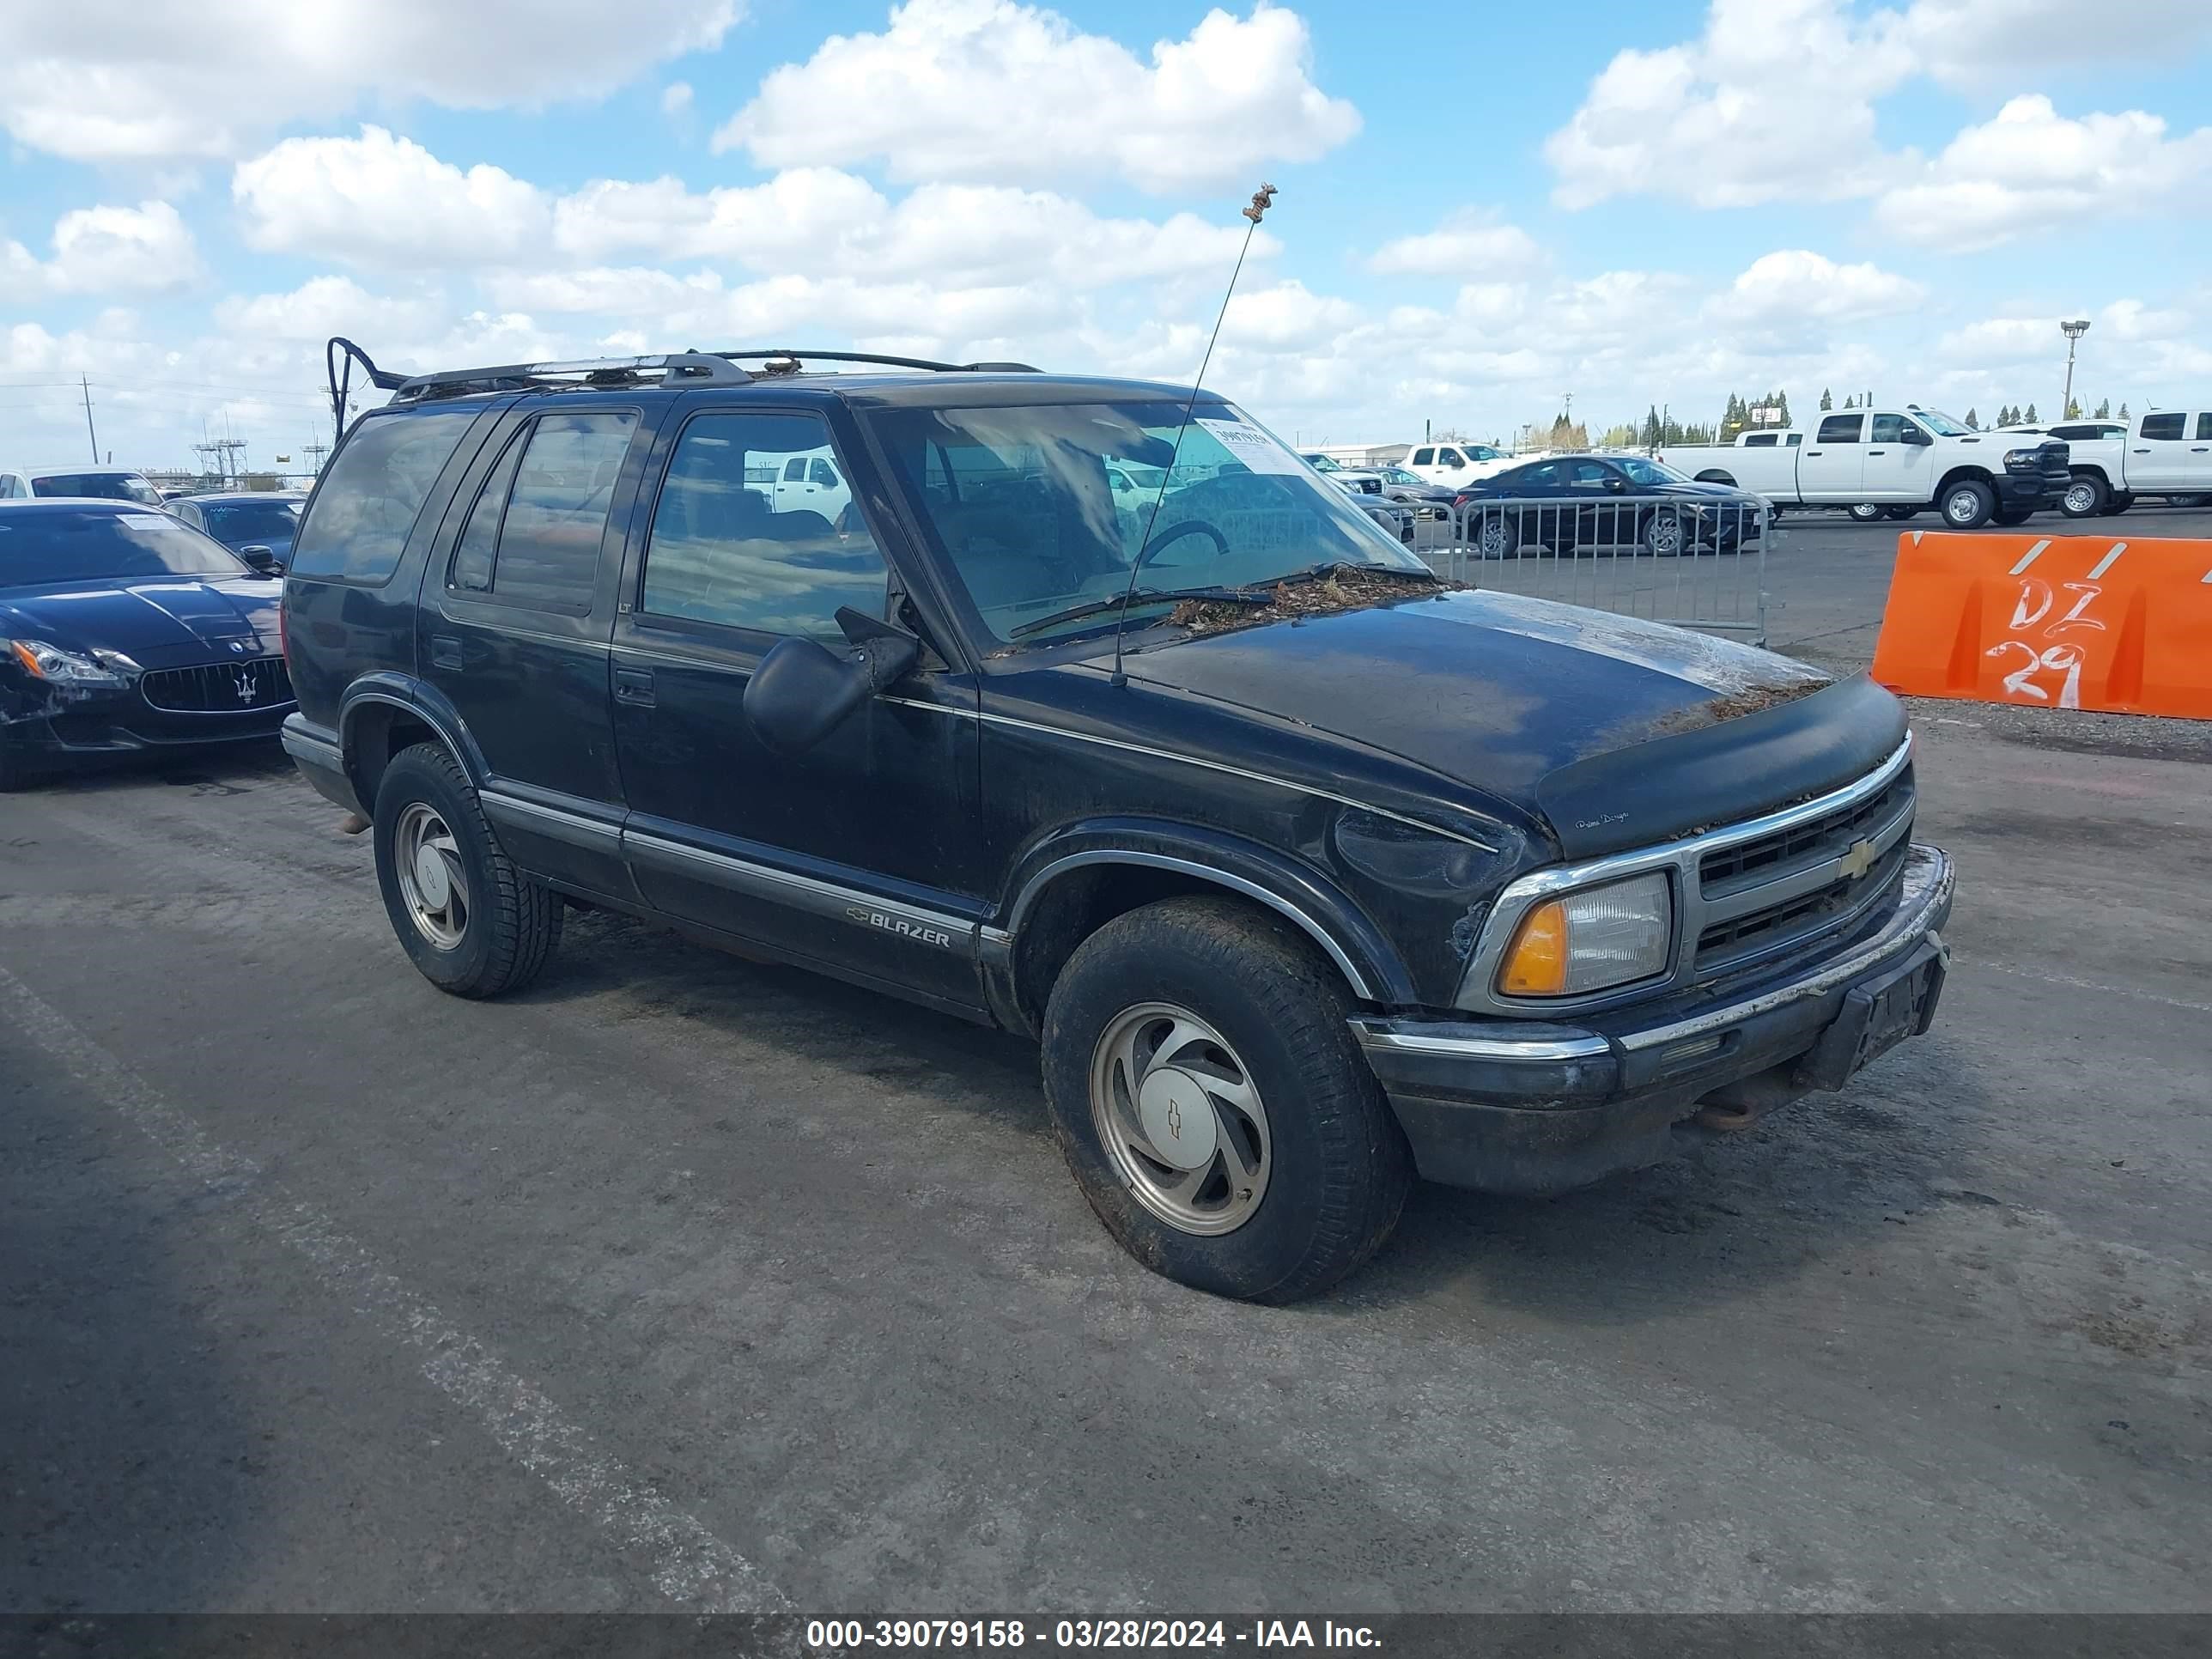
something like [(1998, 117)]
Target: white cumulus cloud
[(1000, 91), (105, 250), (380, 198), (1468, 244), (115, 80), (1795, 284), (2031, 168)]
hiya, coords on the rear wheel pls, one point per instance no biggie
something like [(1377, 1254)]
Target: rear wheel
[(2084, 497), (1214, 1105), (472, 923), (1497, 536), (1865, 512), (1901, 513), (1968, 504)]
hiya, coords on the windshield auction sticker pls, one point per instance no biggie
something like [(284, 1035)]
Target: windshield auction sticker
[(1254, 448)]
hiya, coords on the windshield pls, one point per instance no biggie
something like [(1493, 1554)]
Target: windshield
[(41, 548), (100, 486), (1649, 473), (1939, 423), (239, 522), (1322, 464), (1019, 502), (1398, 475)]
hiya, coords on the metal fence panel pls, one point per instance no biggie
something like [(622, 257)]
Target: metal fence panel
[(1699, 564)]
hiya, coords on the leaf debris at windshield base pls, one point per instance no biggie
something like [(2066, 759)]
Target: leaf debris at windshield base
[(1347, 588)]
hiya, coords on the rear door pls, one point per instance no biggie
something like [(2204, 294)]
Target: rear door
[(860, 855), (1898, 466), (518, 603), (2200, 453), (2158, 455), (1832, 466)]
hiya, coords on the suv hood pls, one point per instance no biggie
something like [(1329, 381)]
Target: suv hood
[(1618, 732), (158, 622)]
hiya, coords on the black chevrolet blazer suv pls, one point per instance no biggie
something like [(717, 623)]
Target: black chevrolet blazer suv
[(1311, 873)]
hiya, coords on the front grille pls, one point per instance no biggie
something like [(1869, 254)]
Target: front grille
[(218, 688), (1810, 913), (1764, 930)]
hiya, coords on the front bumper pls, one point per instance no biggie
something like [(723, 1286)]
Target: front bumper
[(120, 723), (2035, 491), (1512, 1106)]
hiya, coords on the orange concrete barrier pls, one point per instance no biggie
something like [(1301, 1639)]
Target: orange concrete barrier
[(2054, 622)]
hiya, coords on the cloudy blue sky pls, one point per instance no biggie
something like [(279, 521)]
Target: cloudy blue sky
[(1481, 211)]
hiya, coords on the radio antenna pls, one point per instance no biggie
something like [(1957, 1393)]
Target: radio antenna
[(1262, 199)]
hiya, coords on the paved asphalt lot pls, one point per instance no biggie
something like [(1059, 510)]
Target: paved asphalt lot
[(683, 1281)]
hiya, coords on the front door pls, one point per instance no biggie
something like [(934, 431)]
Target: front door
[(1900, 466), (1833, 467), (517, 604), (859, 855)]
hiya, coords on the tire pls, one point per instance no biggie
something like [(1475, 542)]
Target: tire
[(1252, 1000), (1867, 512), (1497, 537), (506, 924), (1968, 505), (2009, 516), (2085, 497), (1664, 534), (1901, 513), (2119, 503)]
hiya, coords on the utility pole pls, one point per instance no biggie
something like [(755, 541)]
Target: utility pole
[(85, 385), (314, 453)]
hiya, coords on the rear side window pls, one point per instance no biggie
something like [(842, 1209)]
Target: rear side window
[(724, 552), (1760, 441), (373, 492), (532, 538), (2168, 428), (1841, 428), (1425, 458)]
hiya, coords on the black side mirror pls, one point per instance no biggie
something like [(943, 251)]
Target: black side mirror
[(1618, 486), (257, 556), (1916, 437), (803, 691)]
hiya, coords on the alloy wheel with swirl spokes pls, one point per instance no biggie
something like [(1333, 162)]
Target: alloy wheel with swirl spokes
[(1180, 1116), (427, 859)]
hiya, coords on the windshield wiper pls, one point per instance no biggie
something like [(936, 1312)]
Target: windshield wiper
[(1139, 596)]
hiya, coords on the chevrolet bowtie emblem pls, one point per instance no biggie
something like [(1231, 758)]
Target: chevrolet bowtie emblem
[(1857, 860)]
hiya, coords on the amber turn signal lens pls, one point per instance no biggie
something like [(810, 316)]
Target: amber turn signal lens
[(1536, 965)]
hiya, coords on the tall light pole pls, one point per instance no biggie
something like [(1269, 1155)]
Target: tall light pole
[(2073, 331)]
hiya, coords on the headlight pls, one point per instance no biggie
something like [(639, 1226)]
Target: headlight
[(59, 667), (1589, 940), (2023, 460)]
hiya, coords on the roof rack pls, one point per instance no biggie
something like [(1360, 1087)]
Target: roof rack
[(667, 368)]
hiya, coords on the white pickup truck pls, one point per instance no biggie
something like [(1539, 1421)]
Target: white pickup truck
[(1890, 462), (2166, 453), (1455, 463)]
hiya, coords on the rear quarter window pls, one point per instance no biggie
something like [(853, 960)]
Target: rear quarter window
[(366, 508)]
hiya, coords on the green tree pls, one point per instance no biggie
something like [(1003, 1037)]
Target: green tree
[(1827, 402), (2105, 409), (1973, 422), (2031, 415), (2073, 409), (2122, 414), (1654, 435), (1850, 401)]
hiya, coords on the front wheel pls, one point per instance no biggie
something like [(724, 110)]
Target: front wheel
[(1865, 512), (472, 923), (2084, 497), (1664, 534), (1968, 504), (1214, 1105)]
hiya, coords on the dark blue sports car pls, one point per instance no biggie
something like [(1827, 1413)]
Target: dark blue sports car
[(123, 631), (1607, 501)]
